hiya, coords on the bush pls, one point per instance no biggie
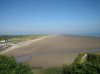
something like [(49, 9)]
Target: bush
[(8, 65), (91, 66)]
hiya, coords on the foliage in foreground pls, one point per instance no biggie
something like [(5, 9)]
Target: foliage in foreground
[(91, 66), (8, 65)]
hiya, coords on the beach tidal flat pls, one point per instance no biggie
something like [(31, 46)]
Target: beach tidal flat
[(52, 51)]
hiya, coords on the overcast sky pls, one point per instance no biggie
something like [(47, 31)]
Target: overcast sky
[(50, 16)]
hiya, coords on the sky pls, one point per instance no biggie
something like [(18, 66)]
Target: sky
[(49, 17)]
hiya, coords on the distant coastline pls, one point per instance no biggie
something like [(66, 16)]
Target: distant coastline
[(74, 35), (83, 35)]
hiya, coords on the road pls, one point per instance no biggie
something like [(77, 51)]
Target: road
[(55, 50)]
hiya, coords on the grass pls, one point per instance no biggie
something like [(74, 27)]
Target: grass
[(24, 38), (48, 71), (19, 38)]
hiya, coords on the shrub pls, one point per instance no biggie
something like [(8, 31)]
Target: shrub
[(91, 66), (8, 65)]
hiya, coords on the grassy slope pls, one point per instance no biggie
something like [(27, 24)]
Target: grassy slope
[(19, 38)]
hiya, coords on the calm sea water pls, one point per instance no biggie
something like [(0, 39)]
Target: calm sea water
[(84, 35)]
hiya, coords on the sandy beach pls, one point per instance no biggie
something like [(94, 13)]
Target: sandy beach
[(25, 43), (52, 43)]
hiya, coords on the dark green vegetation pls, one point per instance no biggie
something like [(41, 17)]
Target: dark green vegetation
[(8, 65), (90, 66)]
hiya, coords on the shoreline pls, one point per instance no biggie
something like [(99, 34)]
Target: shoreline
[(24, 43)]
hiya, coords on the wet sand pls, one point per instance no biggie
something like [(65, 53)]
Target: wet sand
[(52, 44)]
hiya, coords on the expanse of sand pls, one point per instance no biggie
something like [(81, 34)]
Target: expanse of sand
[(25, 43), (35, 53)]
